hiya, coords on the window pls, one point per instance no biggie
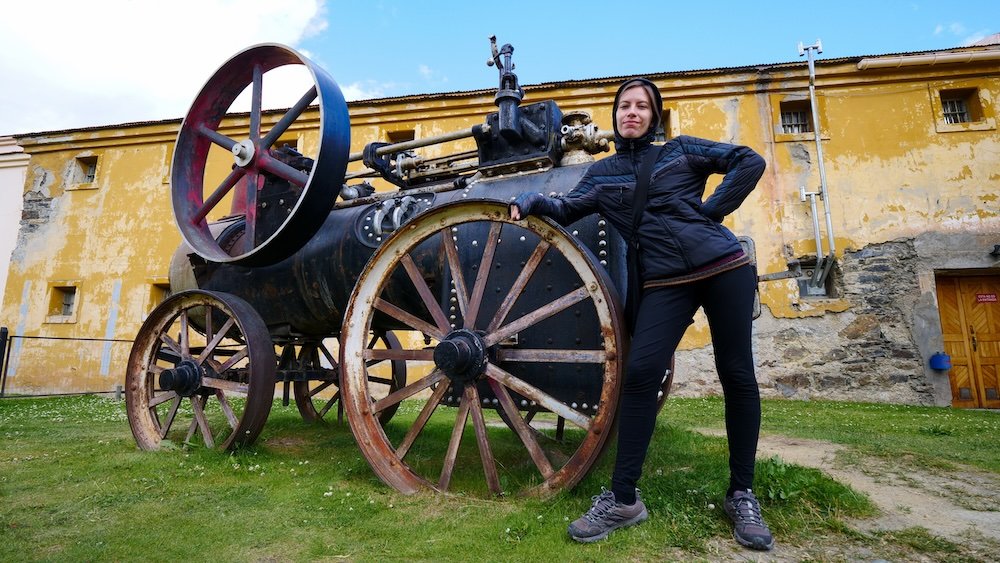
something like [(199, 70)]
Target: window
[(955, 110), (66, 301), (663, 132), (659, 136), (961, 106), (796, 117), (62, 302), (401, 136), (158, 293), (86, 169), (290, 143), (793, 120)]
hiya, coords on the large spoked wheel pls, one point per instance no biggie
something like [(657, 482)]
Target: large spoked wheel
[(516, 317), (201, 371), (317, 397), (275, 224)]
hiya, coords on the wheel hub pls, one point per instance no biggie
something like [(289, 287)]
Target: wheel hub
[(184, 379), (462, 356), (243, 152)]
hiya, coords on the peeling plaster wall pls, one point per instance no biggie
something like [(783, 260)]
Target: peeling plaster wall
[(106, 238), (908, 196)]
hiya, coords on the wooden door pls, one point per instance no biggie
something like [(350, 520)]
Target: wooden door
[(970, 324)]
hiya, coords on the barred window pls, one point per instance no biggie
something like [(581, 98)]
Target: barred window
[(796, 117), (661, 134), (959, 105)]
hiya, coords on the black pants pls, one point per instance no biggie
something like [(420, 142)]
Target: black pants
[(663, 316)]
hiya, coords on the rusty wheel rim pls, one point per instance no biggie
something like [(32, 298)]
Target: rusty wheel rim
[(201, 372), (552, 464)]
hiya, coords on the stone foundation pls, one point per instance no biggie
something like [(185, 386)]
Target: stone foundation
[(875, 351)]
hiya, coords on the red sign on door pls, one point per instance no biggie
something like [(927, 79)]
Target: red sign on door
[(986, 298)]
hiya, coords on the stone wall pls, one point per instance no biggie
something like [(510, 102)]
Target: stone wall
[(37, 208), (866, 353)]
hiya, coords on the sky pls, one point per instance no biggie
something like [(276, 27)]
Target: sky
[(67, 64)]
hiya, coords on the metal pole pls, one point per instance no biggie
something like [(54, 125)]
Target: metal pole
[(803, 194), (808, 51), (5, 354)]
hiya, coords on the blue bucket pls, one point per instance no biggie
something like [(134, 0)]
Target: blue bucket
[(940, 361)]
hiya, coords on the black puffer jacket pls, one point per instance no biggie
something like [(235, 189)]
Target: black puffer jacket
[(678, 231)]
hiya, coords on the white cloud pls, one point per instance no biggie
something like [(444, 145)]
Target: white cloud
[(977, 36), (954, 28), (430, 75), (76, 64), (370, 89)]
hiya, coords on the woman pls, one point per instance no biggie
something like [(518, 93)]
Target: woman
[(685, 259)]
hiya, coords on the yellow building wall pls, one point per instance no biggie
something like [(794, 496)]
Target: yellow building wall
[(893, 171)]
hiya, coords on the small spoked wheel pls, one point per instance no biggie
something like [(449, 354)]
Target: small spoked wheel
[(281, 198), (511, 317), (319, 399), (201, 371)]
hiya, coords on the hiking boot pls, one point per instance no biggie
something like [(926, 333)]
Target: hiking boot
[(749, 528), (605, 515)]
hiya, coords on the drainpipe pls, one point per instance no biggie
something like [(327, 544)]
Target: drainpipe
[(823, 264)]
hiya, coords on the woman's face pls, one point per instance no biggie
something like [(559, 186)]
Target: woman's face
[(634, 113)]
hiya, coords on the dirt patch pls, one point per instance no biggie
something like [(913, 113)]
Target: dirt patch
[(960, 506)]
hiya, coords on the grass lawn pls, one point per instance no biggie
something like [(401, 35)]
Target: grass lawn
[(74, 487)]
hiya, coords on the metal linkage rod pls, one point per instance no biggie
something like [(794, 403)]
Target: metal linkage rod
[(417, 143)]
